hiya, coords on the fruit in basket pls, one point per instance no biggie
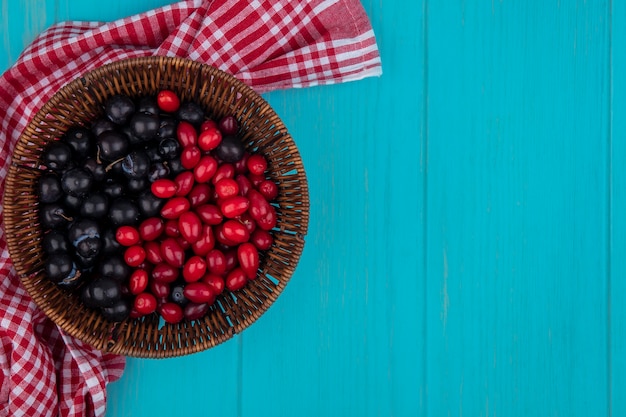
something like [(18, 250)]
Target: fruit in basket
[(155, 209)]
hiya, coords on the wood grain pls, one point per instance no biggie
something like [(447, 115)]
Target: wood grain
[(466, 246), (617, 216), (518, 182)]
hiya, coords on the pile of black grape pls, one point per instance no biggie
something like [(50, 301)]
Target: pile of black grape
[(97, 179)]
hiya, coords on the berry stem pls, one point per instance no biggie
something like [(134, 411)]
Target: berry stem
[(112, 164)]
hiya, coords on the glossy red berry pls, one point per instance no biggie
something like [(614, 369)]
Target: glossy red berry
[(195, 311), (235, 232), (234, 206), (226, 187), (151, 228), (194, 269), (153, 252), (205, 169), (134, 255), (262, 239), (174, 207), (215, 282), (184, 183), (127, 235), (168, 101), (190, 156), (145, 303), (209, 214), (248, 256), (186, 134), (165, 272), (268, 189), (190, 226), (257, 164), (209, 139), (216, 262), (172, 252), (163, 188), (198, 292), (236, 279), (171, 312), (138, 281)]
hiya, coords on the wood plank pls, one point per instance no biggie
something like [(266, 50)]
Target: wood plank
[(617, 306), (517, 203), (105, 11), (20, 23), (346, 336)]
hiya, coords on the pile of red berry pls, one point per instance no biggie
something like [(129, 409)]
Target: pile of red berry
[(154, 209)]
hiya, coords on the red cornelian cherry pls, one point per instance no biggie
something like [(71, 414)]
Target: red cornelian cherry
[(236, 279), (190, 156), (138, 281), (209, 139), (164, 188), (190, 226), (171, 312), (184, 183), (134, 255), (168, 101), (194, 269), (226, 187), (257, 164), (186, 134), (127, 235), (145, 303), (151, 228), (198, 292)]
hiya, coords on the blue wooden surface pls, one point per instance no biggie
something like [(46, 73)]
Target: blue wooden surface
[(468, 225)]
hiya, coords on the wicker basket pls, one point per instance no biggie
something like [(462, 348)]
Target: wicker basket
[(80, 102)]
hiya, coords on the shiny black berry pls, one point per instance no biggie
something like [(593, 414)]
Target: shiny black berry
[(148, 104), (230, 150), (102, 125), (80, 140), (167, 128), (54, 241), (97, 169), (72, 203), (115, 267), (57, 156), (113, 189), (177, 295), (89, 247), (82, 229), (60, 266), (102, 292), (149, 204), (76, 182), (136, 164), (95, 205), (118, 311), (123, 212), (175, 166), (137, 185), (112, 145), (54, 215), (49, 188), (191, 112), (109, 242), (119, 109), (157, 171), (169, 148), (144, 125)]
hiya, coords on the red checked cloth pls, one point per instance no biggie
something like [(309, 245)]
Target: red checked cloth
[(267, 44)]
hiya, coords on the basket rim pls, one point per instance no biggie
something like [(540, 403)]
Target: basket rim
[(112, 342)]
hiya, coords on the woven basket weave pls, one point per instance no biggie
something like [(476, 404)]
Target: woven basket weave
[(220, 94)]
